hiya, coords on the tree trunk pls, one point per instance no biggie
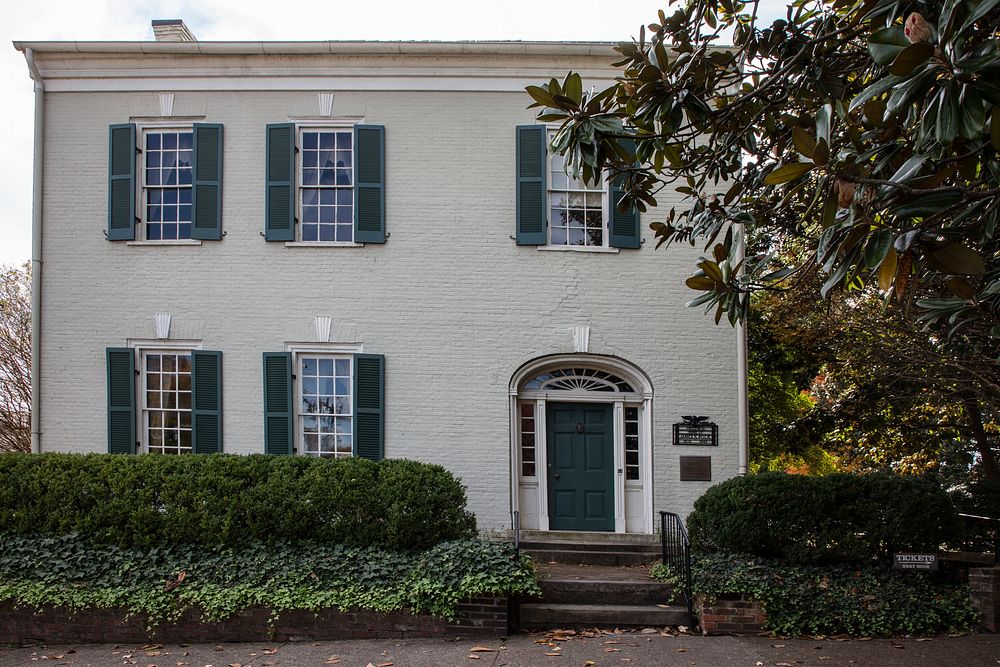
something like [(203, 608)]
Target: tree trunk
[(987, 460)]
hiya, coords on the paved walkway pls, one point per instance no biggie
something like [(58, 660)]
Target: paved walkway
[(651, 648)]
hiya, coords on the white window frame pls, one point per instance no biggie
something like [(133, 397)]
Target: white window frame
[(319, 126), (549, 190), (330, 351), (142, 189), (140, 348)]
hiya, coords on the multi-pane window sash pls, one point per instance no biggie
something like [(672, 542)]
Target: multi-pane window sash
[(576, 209), (528, 433), (326, 185), (631, 442), (167, 402), (167, 175), (325, 406)]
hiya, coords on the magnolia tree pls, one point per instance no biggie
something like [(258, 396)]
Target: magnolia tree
[(15, 359), (862, 131)]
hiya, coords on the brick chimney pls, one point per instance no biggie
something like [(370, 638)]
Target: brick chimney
[(172, 30)]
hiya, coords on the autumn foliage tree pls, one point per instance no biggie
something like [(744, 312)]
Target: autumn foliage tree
[(15, 358)]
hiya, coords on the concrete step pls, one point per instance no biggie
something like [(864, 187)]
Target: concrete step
[(591, 557), (587, 537), (547, 615), (567, 545), (590, 591)]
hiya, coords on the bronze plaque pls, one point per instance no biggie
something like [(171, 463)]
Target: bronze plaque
[(696, 468)]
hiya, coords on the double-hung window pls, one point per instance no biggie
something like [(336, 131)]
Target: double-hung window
[(165, 183), (164, 399), (167, 156), (324, 402), (556, 211), (325, 184)]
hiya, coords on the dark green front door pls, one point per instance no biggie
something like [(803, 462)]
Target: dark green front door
[(580, 466)]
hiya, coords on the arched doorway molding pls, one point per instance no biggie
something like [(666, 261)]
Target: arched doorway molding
[(582, 379)]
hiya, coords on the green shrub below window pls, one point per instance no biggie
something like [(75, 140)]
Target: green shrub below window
[(163, 581), (835, 518), (218, 500), (834, 599)]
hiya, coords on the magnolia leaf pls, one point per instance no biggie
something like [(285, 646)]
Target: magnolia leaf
[(905, 265), (712, 270), (573, 87), (910, 57), (720, 253), (995, 128), (804, 143), (822, 153), (788, 172), (542, 96), (957, 259), (887, 271), (700, 283), (886, 44), (961, 287)]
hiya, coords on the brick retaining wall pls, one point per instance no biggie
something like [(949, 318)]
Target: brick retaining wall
[(481, 617), (984, 588), (730, 614)]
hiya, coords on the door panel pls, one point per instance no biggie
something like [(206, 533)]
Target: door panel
[(580, 466)]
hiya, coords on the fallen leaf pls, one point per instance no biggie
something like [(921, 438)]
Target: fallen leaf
[(235, 664), (612, 641), (332, 660), (481, 649), (611, 650), (784, 664), (588, 663), (553, 654), (384, 664), (925, 639), (269, 651), (473, 656), (682, 650), (649, 631)]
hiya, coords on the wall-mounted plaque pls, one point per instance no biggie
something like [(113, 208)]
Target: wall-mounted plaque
[(696, 468), (696, 431)]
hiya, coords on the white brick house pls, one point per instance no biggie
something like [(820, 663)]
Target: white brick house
[(361, 249)]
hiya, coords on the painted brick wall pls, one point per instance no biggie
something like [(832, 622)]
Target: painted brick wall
[(450, 300)]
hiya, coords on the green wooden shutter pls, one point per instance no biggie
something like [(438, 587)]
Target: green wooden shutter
[(280, 182), (623, 226), (121, 400), (206, 401), (369, 406), (278, 417), (121, 182), (532, 165), (206, 191), (369, 184)]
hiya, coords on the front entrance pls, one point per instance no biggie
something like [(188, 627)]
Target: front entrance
[(580, 454)]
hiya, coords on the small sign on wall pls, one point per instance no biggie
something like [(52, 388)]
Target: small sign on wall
[(697, 431), (915, 561), (696, 468)]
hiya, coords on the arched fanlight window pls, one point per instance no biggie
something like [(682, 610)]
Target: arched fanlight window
[(578, 378)]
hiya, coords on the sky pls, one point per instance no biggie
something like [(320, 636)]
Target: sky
[(83, 20)]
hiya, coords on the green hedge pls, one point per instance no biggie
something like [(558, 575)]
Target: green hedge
[(70, 572), (232, 500), (838, 598), (839, 517)]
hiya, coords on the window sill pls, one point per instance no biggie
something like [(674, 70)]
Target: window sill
[(177, 242), (323, 244), (571, 248)]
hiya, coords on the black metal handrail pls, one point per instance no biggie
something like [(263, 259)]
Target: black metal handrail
[(515, 600), (675, 549), (990, 533)]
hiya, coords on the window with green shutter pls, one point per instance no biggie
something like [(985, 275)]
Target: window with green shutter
[(325, 185), (165, 183), (278, 438), (531, 177), (120, 363)]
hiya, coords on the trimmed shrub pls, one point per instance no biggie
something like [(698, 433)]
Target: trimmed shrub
[(839, 517), (220, 499), (837, 598)]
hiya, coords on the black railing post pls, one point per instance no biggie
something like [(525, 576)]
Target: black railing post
[(675, 550), (515, 601)]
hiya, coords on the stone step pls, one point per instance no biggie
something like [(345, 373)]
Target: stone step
[(591, 591), (547, 615), (565, 545), (587, 537), (591, 557)]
